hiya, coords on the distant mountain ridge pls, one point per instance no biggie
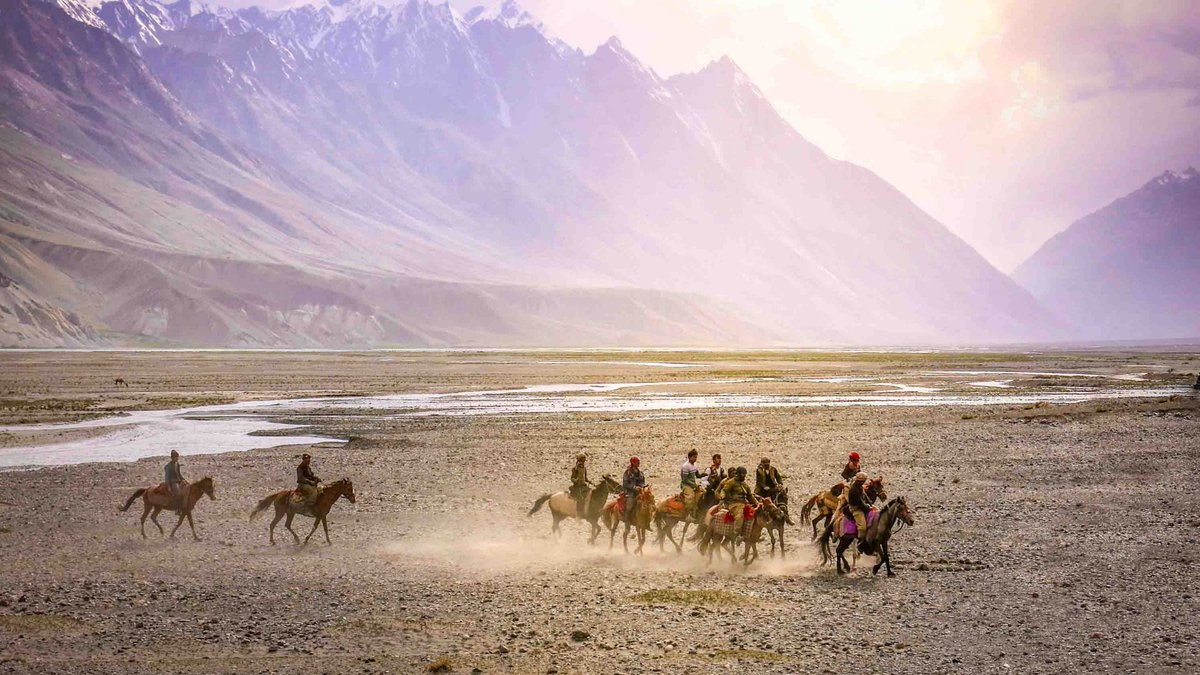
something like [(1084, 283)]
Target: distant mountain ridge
[(357, 156), (1130, 270)]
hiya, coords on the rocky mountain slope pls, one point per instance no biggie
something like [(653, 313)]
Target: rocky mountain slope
[(1130, 270), (353, 174)]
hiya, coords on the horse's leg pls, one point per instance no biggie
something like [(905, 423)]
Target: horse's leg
[(288, 524), (274, 522), (154, 519), (178, 522), (192, 525), (887, 558), (625, 538), (316, 523), (595, 533), (843, 542), (771, 534), (555, 520), (325, 526), (782, 552), (145, 512)]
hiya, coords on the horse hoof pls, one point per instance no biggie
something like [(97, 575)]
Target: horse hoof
[(891, 574)]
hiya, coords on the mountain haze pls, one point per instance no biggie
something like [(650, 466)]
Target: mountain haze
[(1130, 270), (354, 174)]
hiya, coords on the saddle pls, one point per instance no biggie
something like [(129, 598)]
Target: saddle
[(674, 506), (846, 527), (722, 521)]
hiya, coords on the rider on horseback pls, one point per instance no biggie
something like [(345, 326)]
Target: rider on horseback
[(173, 478), (857, 505), (307, 481), (715, 474), (631, 483), (851, 467), (689, 483), (580, 485), (767, 481), (735, 495)]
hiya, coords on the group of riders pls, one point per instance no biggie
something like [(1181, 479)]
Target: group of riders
[(307, 483), (728, 489)]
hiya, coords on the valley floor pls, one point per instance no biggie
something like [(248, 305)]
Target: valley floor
[(1048, 538)]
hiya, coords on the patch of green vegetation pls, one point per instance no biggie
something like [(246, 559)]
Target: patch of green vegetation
[(167, 402), (676, 596), (38, 623), (968, 417), (748, 654), (47, 404)]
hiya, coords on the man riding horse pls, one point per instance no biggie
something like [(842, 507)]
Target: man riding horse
[(767, 481), (735, 495), (631, 483), (173, 480), (714, 474), (857, 505), (307, 482), (851, 469), (581, 487), (689, 483)]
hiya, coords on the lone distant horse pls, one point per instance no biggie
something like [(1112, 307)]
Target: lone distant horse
[(876, 541), (120, 382), (156, 499), (286, 507)]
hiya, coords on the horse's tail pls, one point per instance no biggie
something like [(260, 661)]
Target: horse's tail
[(129, 502), (264, 503), (808, 507), (538, 504), (826, 554)]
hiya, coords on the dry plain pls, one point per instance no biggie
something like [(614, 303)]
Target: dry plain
[(1049, 537)]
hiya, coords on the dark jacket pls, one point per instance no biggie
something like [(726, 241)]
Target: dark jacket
[(766, 480), (857, 498), (579, 476), (172, 473), (850, 471), (305, 475), (632, 480)]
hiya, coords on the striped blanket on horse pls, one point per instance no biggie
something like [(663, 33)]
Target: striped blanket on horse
[(723, 523)]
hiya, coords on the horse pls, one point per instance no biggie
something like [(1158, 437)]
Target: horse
[(670, 513), (776, 524), (562, 506), (767, 513), (156, 499), (643, 516), (827, 502), (284, 506), (876, 541), (120, 382), (721, 535)]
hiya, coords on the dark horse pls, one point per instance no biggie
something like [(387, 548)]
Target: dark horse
[(778, 520), (876, 541), (562, 506)]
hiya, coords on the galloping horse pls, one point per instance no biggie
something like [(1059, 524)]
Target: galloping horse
[(876, 541), (827, 501), (284, 506), (670, 513), (562, 506), (765, 516), (158, 498), (775, 524), (719, 534), (643, 515)]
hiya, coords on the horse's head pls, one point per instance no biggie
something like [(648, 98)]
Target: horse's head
[(902, 511), (347, 488), (611, 483), (206, 487), (875, 489), (646, 496)]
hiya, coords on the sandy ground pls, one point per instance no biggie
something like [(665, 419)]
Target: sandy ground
[(1047, 539)]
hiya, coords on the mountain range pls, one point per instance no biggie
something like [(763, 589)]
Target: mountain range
[(353, 174)]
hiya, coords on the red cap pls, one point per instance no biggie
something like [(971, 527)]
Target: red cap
[(634, 460), (854, 456)]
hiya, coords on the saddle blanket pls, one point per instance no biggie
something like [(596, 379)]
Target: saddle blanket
[(850, 529), (722, 522), (673, 506)]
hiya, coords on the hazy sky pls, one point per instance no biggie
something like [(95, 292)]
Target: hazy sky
[(1005, 120)]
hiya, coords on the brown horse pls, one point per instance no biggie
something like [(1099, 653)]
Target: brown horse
[(285, 507), (158, 498), (643, 516), (876, 541), (720, 535)]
